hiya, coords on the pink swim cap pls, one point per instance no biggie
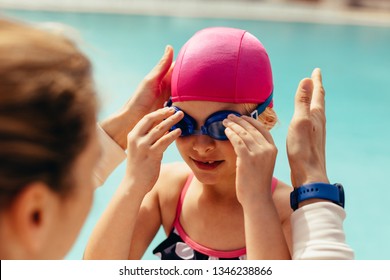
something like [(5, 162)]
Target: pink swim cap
[(224, 65)]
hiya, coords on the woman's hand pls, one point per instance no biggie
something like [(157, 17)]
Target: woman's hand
[(149, 96), (307, 133)]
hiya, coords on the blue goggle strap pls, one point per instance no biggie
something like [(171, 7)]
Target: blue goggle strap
[(255, 114), (261, 108)]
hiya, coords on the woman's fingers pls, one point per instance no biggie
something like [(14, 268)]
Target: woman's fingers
[(318, 91), (161, 69), (303, 99)]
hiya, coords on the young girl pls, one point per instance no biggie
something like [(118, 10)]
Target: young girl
[(223, 202)]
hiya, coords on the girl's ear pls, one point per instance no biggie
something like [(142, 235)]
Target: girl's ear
[(32, 218)]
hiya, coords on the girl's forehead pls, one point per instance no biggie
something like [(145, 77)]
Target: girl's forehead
[(200, 109)]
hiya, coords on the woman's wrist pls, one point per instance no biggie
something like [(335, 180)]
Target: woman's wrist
[(118, 126), (310, 177)]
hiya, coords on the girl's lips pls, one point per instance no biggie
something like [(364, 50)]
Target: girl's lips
[(207, 165)]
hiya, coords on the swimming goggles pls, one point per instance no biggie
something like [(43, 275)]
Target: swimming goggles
[(213, 126)]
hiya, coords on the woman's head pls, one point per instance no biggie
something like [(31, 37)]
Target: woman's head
[(47, 116)]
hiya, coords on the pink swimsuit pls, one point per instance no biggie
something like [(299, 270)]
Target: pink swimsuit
[(179, 246)]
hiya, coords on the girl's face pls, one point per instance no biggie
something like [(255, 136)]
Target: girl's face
[(212, 161)]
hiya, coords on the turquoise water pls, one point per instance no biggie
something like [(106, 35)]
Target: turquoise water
[(355, 61)]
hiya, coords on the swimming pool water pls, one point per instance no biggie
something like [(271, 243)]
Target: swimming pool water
[(355, 61)]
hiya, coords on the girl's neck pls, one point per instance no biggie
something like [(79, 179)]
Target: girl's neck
[(222, 191)]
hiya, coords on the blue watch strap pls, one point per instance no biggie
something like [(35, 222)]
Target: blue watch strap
[(334, 193)]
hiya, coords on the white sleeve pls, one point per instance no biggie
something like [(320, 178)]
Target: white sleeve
[(112, 156), (318, 234)]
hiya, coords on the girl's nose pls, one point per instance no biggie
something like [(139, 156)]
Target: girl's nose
[(203, 144)]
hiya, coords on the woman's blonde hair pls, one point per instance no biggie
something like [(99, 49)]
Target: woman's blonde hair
[(47, 109)]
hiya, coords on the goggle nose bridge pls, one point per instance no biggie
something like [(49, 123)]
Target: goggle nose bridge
[(204, 131)]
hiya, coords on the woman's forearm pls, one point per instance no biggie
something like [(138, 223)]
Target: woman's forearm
[(318, 232)]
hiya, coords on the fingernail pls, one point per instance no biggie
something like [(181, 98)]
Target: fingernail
[(179, 114), (165, 53), (316, 70), (232, 116), (306, 85)]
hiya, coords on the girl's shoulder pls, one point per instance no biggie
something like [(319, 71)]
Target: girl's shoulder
[(176, 169), (281, 197), (282, 193), (172, 179), (173, 176)]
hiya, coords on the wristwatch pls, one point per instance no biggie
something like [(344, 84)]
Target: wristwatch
[(333, 193)]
